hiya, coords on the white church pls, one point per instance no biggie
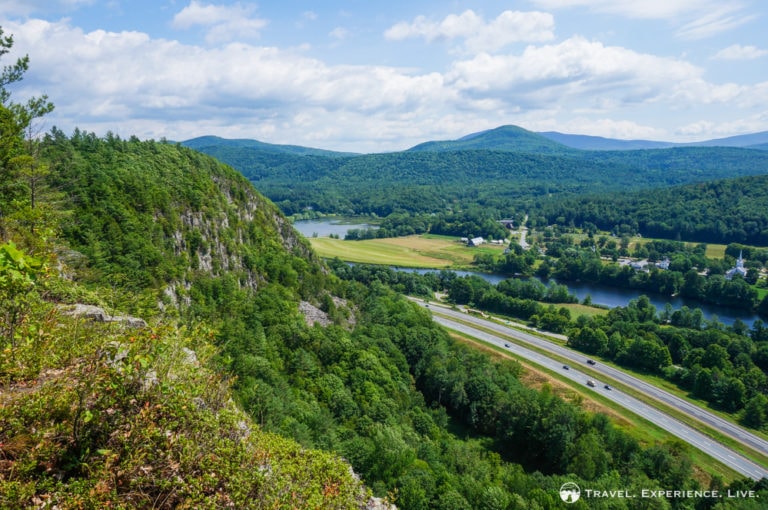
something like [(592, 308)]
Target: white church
[(739, 269)]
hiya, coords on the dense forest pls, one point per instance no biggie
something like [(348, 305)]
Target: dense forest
[(721, 211), (248, 375), (700, 194), (439, 180), (380, 385), (725, 366)]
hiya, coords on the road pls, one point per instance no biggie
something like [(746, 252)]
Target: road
[(449, 318)]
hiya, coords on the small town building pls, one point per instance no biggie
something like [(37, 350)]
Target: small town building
[(739, 269)]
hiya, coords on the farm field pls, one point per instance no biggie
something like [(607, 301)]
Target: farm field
[(424, 251)]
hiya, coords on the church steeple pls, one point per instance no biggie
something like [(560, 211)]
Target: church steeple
[(739, 269)]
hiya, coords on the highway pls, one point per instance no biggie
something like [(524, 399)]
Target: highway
[(449, 318)]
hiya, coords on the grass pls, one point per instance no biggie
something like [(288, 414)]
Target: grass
[(715, 251), (579, 309), (102, 417), (423, 251)]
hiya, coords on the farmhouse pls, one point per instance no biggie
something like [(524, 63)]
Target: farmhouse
[(475, 241)]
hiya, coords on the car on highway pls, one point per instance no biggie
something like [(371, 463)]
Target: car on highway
[(506, 345), (591, 383), (591, 362), (566, 367), (607, 387)]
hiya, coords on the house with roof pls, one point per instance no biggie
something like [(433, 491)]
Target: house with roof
[(476, 241)]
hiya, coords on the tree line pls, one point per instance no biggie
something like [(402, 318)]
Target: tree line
[(725, 366)]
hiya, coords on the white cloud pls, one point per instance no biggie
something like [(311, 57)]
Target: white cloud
[(224, 23), (705, 129), (478, 35), (128, 81), (699, 18), (27, 7), (739, 52), (721, 19), (643, 9), (339, 33), (602, 76), (605, 127)]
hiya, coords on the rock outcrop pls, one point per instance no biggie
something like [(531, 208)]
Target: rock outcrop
[(98, 314)]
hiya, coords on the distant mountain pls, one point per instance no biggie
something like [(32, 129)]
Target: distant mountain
[(597, 143), (430, 179), (218, 142), (504, 138), (749, 140)]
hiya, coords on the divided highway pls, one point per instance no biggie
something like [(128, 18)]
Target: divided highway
[(450, 319)]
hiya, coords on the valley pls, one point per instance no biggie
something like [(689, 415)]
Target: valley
[(319, 384), (375, 256)]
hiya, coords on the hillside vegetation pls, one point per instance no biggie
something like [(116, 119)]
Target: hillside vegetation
[(184, 411), (226, 286), (506, 170), (721, 211)]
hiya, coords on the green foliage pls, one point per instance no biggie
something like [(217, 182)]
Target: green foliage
[(208, 407), (535, 177), (137, 422), (18, 273), (20, 172), (720, 211)]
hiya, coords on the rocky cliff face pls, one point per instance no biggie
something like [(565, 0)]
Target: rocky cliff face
[(117, 405)]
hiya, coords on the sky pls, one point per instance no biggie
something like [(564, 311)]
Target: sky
[(368, 76)]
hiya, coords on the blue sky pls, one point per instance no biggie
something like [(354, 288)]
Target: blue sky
[(366, 76)]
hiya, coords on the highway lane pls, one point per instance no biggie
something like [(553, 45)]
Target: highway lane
[(448, 318)]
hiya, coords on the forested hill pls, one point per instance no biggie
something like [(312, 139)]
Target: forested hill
[(722, 211), (215, 141), (158, 214), (584, 142), (504, 138), (430, 179)]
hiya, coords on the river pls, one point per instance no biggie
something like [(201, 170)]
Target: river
[(613, 297), (600, 294), (328, 226)]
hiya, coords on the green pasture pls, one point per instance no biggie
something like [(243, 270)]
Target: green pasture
[(427, 251)]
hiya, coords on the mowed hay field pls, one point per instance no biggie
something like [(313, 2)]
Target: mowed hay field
[(411, 251)]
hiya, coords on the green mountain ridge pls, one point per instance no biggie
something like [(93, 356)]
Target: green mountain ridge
[(98, 413), (585, 142), (446, 174), (216, 141), (504, 138)]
